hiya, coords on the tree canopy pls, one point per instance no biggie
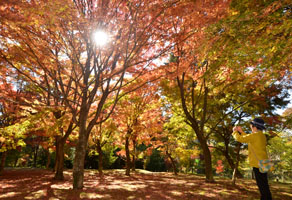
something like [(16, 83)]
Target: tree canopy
[(167, 82)]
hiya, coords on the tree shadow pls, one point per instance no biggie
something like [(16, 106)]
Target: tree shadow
[(39, 184)]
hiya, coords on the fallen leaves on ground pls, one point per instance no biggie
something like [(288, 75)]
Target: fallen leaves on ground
[(39, 184)]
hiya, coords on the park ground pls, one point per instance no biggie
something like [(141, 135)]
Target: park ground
[(39, 184)]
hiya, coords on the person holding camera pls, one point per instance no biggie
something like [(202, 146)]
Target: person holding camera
[(257, 143)]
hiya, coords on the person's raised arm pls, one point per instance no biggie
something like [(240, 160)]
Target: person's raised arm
[(241, 136)]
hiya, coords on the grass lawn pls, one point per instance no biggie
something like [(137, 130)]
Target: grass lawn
[(39, 184)]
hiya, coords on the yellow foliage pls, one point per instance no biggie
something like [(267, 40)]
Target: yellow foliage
[(2, 139)]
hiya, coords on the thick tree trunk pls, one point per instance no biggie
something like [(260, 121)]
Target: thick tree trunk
[(128, 158), (80, 151), (78, 167), (100, 157), (60, 144), (3, 159), (208, 162), (60, 159), (172, 163)]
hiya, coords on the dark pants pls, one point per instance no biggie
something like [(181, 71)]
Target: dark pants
[(262, 182)]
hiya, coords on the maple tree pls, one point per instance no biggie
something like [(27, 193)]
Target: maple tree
[(56, 125), (139, 119), (51, 45), (280, 151), (257, 51), (239, 104), (178, 142), (194, 68), (190, 69), (38, 80), (255, 38), (12, 125), (216, 69), (194, 100), (100, 136)]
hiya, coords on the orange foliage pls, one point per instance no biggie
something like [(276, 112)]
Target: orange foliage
[(140, 116)]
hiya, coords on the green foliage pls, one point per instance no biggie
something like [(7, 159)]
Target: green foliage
[(156, 162), (12, 159), (13, 136), (280, 150), (107, 160), (256, 33), (109, 156)]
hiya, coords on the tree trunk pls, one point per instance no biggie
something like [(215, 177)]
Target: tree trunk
[(198, 125), (3, 159), (128, 161), (78, 167), (235, 171), (57, 155), (207, 155), (80, 151), (48, 159), (134, 156), (15, 161), (100, 157), (208, 162), (232, 165), (60, 159), (172, 163), (60, 143)]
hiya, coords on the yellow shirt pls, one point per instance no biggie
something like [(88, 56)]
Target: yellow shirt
[(257, 143)]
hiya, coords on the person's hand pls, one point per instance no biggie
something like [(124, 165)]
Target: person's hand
[(234, 128), (239, 129)]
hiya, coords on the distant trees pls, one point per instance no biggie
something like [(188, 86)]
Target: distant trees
[(13, 127)]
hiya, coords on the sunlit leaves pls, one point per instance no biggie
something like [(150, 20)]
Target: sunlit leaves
[(138, 116), (256, 34), (13, 136), (280, 151)]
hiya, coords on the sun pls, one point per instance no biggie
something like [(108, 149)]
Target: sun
[(100, 38)]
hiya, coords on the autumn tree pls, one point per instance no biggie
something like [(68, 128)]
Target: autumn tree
[(12, 125), (191, 70), (52, 46), (254, 42), (52, 122), (255, 38), (101, 135), (280, 151), (243, 52), (139, 119), (178, 141)]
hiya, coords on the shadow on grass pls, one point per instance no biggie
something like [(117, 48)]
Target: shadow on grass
[(39, 184)]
